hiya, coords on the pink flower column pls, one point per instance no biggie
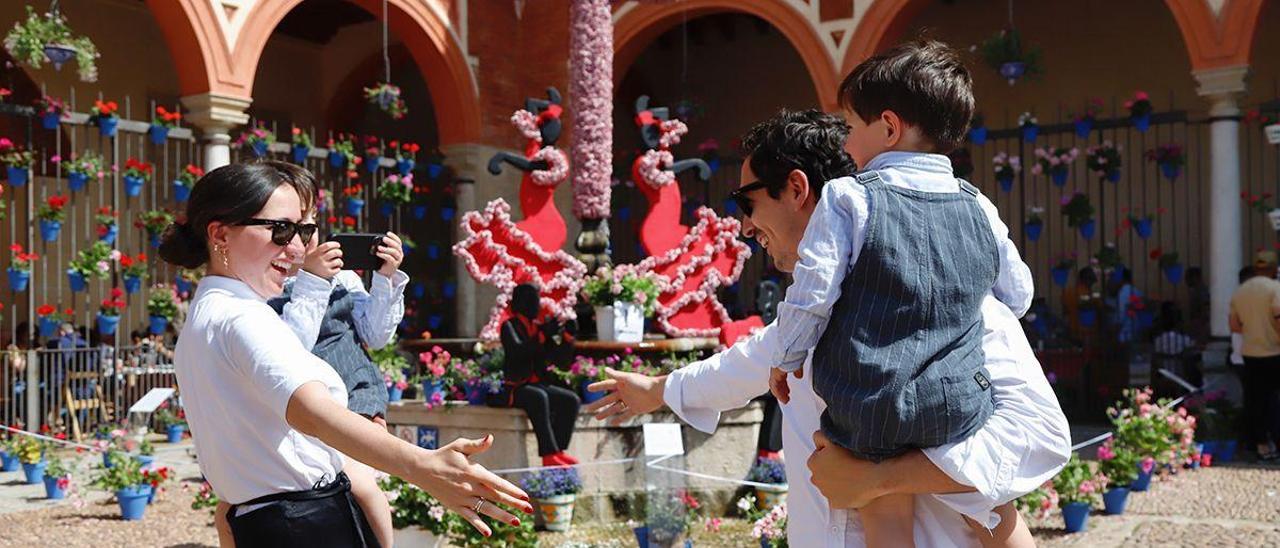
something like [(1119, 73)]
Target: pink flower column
[(591, 100)]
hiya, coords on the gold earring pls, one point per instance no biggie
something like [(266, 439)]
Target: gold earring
[(222, 250)]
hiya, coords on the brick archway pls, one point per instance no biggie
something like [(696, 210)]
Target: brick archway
[(636, 28), (218, 52)]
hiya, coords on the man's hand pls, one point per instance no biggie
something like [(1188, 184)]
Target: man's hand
[(630, 395), (846, 481), (778, 383), (324, 261)]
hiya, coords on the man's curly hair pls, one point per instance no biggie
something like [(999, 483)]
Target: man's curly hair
[(810, 141)]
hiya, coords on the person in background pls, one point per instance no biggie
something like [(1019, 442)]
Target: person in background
[(1085, 279), (1255, 307), (1175, 352)]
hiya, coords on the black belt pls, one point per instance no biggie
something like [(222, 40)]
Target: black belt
[(319, 491)]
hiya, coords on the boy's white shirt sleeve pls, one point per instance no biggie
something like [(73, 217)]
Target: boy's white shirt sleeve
[(306, 307), (377, 313), (1014, 285), (830, 244)]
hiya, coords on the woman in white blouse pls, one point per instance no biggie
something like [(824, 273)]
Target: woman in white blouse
[(269, 419)]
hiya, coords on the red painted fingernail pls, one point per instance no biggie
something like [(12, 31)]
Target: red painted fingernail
[(515, 523), (528, 509)]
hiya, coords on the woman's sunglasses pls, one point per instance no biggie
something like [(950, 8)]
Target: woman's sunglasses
[(282, 232), (739, 196)]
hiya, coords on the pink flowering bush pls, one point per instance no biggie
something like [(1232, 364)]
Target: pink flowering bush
[(772, 527), (1079, 482), (1040, 503), (623, 283), (1152, 429), (1053, 160)]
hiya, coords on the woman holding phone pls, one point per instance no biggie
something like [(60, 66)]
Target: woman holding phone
[(272, 418)]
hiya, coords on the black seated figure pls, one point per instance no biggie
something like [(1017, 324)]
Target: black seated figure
[(526, 346)]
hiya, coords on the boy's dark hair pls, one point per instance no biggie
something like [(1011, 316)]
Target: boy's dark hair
[(810, 141), (923, 82)]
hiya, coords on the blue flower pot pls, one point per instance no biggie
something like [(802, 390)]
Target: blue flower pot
[(431, 388), (259, 149), (1113, 175), (1030, 133), (1012, 70), (1117, 275), (371, 163), (157, 134), (386, 209), (157, 324), (588, 396), (1083, 126), (48, 326), (1006, 182), (154, 239), (714, 164), (434, 169), (1170, 171), (1088, 317), (133, 186), (337, 159), (1088, 229), (106, 460), (133, 501), (419, 290), (1060, 276), (107, 126), (76, 180), (77, 281), (1033, 230), (1141, 123), (450, 289), (1059, 177), (978, 135), (1222, 450), (181, 192), (434, 321), (34, 472), (1146, 319), (394, 394), (433, 251), (174, 432), (300, 153), (419, 212), (151, 494), (18, 279), (184, 286), (50, 120), (132, 284), (9, 463), (18, 175), (477, 393), (110, 235), (642, 536), (1143, 481), (107, 324), (446, 213), (51, 490), (49, 230), (404, 166), (1076, 516), (145, 460), (354, 206), (1143, 228)]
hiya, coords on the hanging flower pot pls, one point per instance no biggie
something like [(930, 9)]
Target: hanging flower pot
[(1059, 177), (1060, 276), (450, 289), (1076, 516), (133, 501), (158, 134), (18, 279), (107, 324), (59, 54), (1030, 133), (978, 135), (1013, 70), (77, 281), (133, 186), (405, 166), (354, 206), (18, 176), (259, 149), (1173, 273), (50, 120), (48, 326), (419, 212), (77, 181), (386, 208), (158, 324), (53, 488), (132, 284), (1006, 182), (371, 163), (1033, 230), (184, 286), (433, 251), (434, 321), (418, 290), (1141, 122), (1083, 127), (1170, 170), (1113, 176), (1088, 229), (107, 125), (1143, 228), (154, 240), (337, 159), (173, 432), (1088, 317), (300, 153), (50, 229), (434, 169), (181, 192), (34, 471), (622, 322)]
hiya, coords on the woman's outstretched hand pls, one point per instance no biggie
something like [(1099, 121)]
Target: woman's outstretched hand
[(458, 483)]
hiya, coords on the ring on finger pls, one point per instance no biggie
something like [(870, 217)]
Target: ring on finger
[(479, 504)]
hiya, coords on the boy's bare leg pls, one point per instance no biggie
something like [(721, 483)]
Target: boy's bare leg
[(888, 521), (372, 501), (225, 539), (1012, 532)]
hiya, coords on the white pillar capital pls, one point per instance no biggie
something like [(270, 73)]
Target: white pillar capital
[(215, 114), (1222, 86)]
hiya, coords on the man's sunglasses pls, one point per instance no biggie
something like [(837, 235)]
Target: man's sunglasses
[(282, 232), (739, 196)]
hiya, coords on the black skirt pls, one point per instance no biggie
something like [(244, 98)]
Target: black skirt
[(326, 516)]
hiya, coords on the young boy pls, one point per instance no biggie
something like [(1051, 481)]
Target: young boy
[(892, 270)]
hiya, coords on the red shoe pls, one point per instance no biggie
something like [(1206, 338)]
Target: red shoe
[(551, 460), (568, 459)]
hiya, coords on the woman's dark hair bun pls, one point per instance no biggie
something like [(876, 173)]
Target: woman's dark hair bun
[(181, 246)]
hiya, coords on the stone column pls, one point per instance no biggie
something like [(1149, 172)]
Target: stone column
[(1222, 87), (215, 115), (467, 161)]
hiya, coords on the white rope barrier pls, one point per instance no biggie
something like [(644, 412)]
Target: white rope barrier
[(47, 438), (506, 471)]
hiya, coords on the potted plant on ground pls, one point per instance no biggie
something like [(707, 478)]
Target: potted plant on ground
[(1219, 418), (57, 478), (1083, 122), (136, 173), (50, 109), (1056, 162), (105, 115), (442, 373), (92, 262), (669, 516), (1079, 213), (1029, 126), (30, 452), (1139, 108), (623, 297), (406, 157), (48, 37), (1040, 503), (301, 145), (155, 476), (419, 519), (1120, 466), (161, 122), (1104, 161), (257, 139), (504, 535), (17, 162), (19, 270), (772, 473), (82, 169), (133, 270), (8, 454), (185, 180), (1170, 158), (771, 528), (387, 98), (1005, 52), (154, 222), (51, 214), (161, 307), (127, 481), (554, 490), (171, 423), (108, 318), (1141, 426), (1034, 224), (1079, 489)]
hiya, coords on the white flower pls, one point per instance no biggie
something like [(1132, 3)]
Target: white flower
[(436, 513), (744, 504)]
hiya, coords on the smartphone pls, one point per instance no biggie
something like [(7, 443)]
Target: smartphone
[(359, 251)]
